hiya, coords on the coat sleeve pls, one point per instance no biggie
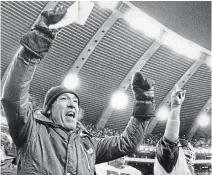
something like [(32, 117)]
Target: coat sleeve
[(15, 97), (167, 153), (117, 146)]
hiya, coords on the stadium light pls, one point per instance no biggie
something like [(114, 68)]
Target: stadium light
[(163, 113), (204, 120), (71, 81), (209, 62), (181, 45), (142, 22), (140, 148), (119, 100), (108, 4)]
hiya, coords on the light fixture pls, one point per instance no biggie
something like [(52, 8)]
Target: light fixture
[(209, 62), (71, 81), (140, 148), (108, 4), (181, 45), (119, 100), (142, 22), (204, 120), (163, 113)]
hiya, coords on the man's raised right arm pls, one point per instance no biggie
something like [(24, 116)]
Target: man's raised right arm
[(15, 93), (167, 150)]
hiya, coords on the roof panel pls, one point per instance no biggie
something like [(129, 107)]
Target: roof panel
[(198, 91), (66, 48), (14, 23), (156, 68), (111, 61)]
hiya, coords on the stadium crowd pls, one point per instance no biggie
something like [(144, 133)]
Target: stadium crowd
[(150, 140), (203, 170)]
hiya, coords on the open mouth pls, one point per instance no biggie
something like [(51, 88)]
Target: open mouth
[(70, 114)]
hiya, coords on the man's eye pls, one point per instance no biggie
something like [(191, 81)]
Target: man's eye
[(75, 101), (63, 98)]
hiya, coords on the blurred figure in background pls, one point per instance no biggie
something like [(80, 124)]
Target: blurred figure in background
[(172, 156), (116, 167), (8, 166)]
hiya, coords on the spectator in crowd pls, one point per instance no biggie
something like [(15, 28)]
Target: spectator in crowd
[(101, 133), (53, 141), (8, 166), (170, 158), (203, 170), (116, 167)]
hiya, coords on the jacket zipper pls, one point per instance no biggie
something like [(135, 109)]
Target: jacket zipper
[(89, 168), (67, 159)]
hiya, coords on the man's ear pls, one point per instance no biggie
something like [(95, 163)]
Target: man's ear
[(48, 112), (80, 114)]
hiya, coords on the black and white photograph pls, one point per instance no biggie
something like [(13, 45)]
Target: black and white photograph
[(105, 87)]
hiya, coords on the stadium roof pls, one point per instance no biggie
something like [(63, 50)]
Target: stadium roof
[(107, 50)]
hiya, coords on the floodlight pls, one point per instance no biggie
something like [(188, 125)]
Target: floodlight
[(119, 100), (142, 22), (203, 120), (209, 62), (163, 113), (181, 45), (141, 148), (71, 81), (108, 4)]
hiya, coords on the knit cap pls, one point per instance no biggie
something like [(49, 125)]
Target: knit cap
[(52, 95)]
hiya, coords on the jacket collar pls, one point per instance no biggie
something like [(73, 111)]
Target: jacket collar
[(40, 117)]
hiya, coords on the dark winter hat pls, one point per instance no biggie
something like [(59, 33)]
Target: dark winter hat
[(55, 92)]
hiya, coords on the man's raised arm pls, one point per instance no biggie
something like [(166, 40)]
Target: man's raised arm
[(167, 151), (15, 94), (173, 123), (144, 109)]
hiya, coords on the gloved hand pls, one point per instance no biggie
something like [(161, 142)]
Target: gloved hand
[(39, 39), (144, 95), (177, 97)]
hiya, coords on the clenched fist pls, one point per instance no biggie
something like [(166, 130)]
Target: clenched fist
[(49, 17), (39, 40), (142, 87), (177, 97), (143, 90)]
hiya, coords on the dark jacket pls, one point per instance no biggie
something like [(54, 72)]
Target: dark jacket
[(45, 148)]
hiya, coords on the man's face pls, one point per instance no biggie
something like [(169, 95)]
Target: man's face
[(65, 110), (119, 162)]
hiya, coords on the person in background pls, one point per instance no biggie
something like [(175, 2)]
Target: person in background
[(174, 157), (8, 166), (53, 141), (116, 167)]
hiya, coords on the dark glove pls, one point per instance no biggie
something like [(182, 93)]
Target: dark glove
[(142, 88), (39, 39)]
